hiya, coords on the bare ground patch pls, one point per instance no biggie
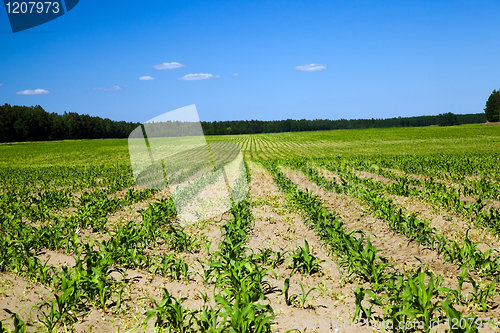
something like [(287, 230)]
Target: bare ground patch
[(446, 223), (279, 228), (393, 246), (355, 216), (449, 224), (384, 180)]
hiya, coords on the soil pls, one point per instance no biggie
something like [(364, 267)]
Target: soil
[(448, 223), (393, 246)]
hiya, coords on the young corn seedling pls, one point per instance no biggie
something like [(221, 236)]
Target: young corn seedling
[(296, 299), (169, 313), (456, 322), (277, 259), (243, 316), (206, 246), (363, 260), (208, 273), (303, 297), (263, 256), (417, 298), (52, 313), (363, 312), (457, 294), (482, 298), (19, 325), (174, 267), (304, 261), (207, 320), (288, 301), (179, 240)]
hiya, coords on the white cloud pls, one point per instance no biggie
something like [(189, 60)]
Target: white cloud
[(114, 88), (195, 77), (235, 74), (168, 65), (146, 78), (310, 68), (33, 92), (1, 84)]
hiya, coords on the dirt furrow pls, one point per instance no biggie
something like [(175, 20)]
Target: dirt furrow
[(280, 228), (393, 246), (468, 199), (446, 223)]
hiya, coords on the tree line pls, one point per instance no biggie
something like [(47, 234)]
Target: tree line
[(291, 125), (33, 123)]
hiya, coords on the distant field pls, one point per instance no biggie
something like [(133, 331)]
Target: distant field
[(380, 224), (411, 140)]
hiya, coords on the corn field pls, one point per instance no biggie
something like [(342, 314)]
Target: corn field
[(331, 237)]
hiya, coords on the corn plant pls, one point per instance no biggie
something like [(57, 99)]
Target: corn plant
[(174, 267), (179, 240), (243, 277), (207, 319), (304, 261), (242, 316), (361, 311), (263, 256), (298, 300), (277, 259), (19, 325), (52, 313), (363, 260), (417, 298), (482, 297), (457, 323), (169, 313)]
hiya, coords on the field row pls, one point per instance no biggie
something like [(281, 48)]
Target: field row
[(289, 278)]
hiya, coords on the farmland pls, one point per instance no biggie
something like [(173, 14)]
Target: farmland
[(385, 226)]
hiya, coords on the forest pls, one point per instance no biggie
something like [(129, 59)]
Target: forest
[(33, 123)]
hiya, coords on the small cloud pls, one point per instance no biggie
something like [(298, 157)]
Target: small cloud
[(310, 68), (168, 65), (235, 74), (195, 77), (33, 92), (114, 88), (146, 78), (1, 84)]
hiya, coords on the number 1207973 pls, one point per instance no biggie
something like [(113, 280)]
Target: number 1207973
[(32, 7)]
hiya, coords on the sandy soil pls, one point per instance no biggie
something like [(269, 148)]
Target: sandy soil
[(393, 246), (448, 223)]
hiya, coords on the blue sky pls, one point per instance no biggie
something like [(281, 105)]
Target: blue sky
[(380, 59)]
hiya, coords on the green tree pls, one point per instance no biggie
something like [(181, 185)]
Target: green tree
[(492, 109), (448, 119)]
